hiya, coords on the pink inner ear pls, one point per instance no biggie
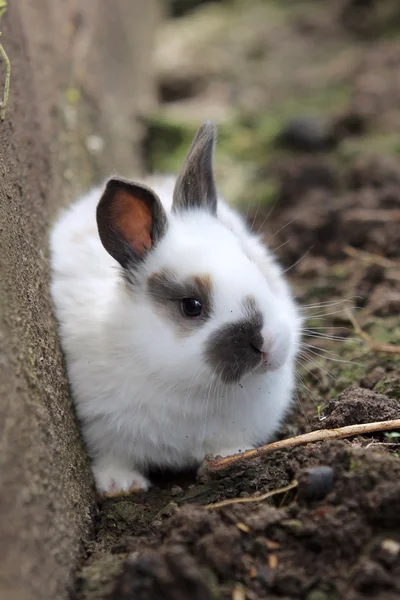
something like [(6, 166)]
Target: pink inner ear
[(133, 219), (141, 245)]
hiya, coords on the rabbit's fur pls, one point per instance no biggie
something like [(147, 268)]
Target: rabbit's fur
[(153, 386)]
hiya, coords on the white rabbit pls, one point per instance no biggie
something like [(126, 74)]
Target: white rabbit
[(178, 327)]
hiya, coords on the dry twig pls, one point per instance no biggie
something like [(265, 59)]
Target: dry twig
[(368, 215), (314, 436), (238, 593), (269, 494), (373, 259)]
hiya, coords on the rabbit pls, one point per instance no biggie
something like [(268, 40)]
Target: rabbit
[(178, 326)]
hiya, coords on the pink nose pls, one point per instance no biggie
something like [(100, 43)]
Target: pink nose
[(264, 356)]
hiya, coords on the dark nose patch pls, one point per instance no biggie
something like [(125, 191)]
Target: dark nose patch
[(233, 350)]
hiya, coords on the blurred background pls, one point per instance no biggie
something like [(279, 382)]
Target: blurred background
[(306, 97)]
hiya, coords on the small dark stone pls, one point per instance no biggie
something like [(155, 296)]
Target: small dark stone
[(315, 483), (307, 134)]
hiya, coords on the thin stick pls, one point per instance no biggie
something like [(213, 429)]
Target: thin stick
[(314, 436), (391, 444), (375, 346), (269, 494), (368, 215), (369, 257)]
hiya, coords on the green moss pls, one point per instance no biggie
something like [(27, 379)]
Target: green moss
[(384, 330), (72, 95), (387, 144), (295, 526), (348, 363), (245, 138), (357, 465), (389, 387), (167, 143), (97, 578)]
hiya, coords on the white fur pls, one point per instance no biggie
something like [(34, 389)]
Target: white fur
[(144, 394)]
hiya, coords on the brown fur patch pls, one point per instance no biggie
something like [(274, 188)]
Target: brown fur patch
[(204, 284), (134, 220), (167, 292)]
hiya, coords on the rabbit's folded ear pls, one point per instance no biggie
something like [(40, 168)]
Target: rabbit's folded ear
[(195, 187), (131, 220)]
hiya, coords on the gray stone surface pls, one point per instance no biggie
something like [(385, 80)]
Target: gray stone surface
[(74, 66)]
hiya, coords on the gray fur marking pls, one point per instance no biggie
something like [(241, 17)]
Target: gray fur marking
[(233, 350), (167, 292), (195, 186)]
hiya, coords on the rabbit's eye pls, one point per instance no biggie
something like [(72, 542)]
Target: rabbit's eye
[(191, 307)]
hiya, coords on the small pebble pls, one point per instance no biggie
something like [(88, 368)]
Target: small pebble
[(294, 525), (391, 547), (307, 134), (243, 527), (387, 553), (316, 483)]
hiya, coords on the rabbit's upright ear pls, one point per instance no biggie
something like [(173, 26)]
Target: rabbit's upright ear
[(131, 220), (195, 187)]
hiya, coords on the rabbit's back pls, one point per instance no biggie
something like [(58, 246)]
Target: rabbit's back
[(84, 276)]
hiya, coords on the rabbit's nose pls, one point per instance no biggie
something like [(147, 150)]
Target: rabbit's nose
[(261, 342), (260, 345)]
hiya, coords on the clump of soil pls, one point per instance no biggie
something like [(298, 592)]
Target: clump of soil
[(358, 405), (335, 226), (294, 548)]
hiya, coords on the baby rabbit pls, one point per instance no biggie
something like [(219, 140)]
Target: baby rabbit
[(178, 327)]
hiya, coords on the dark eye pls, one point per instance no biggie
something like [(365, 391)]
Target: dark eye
[(191, 307)]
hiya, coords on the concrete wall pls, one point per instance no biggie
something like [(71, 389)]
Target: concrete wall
[(80, 77)]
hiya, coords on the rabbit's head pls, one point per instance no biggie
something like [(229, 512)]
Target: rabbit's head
[(195, 307)]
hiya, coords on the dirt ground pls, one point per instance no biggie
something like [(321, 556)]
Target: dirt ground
[(334, 219)]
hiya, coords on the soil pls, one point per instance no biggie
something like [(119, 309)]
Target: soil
[(335, 223)]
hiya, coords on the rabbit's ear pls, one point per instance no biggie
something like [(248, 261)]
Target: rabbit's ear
[(195, 187), (131, 220)]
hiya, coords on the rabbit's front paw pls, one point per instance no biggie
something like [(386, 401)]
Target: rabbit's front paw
[(116, 480)]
